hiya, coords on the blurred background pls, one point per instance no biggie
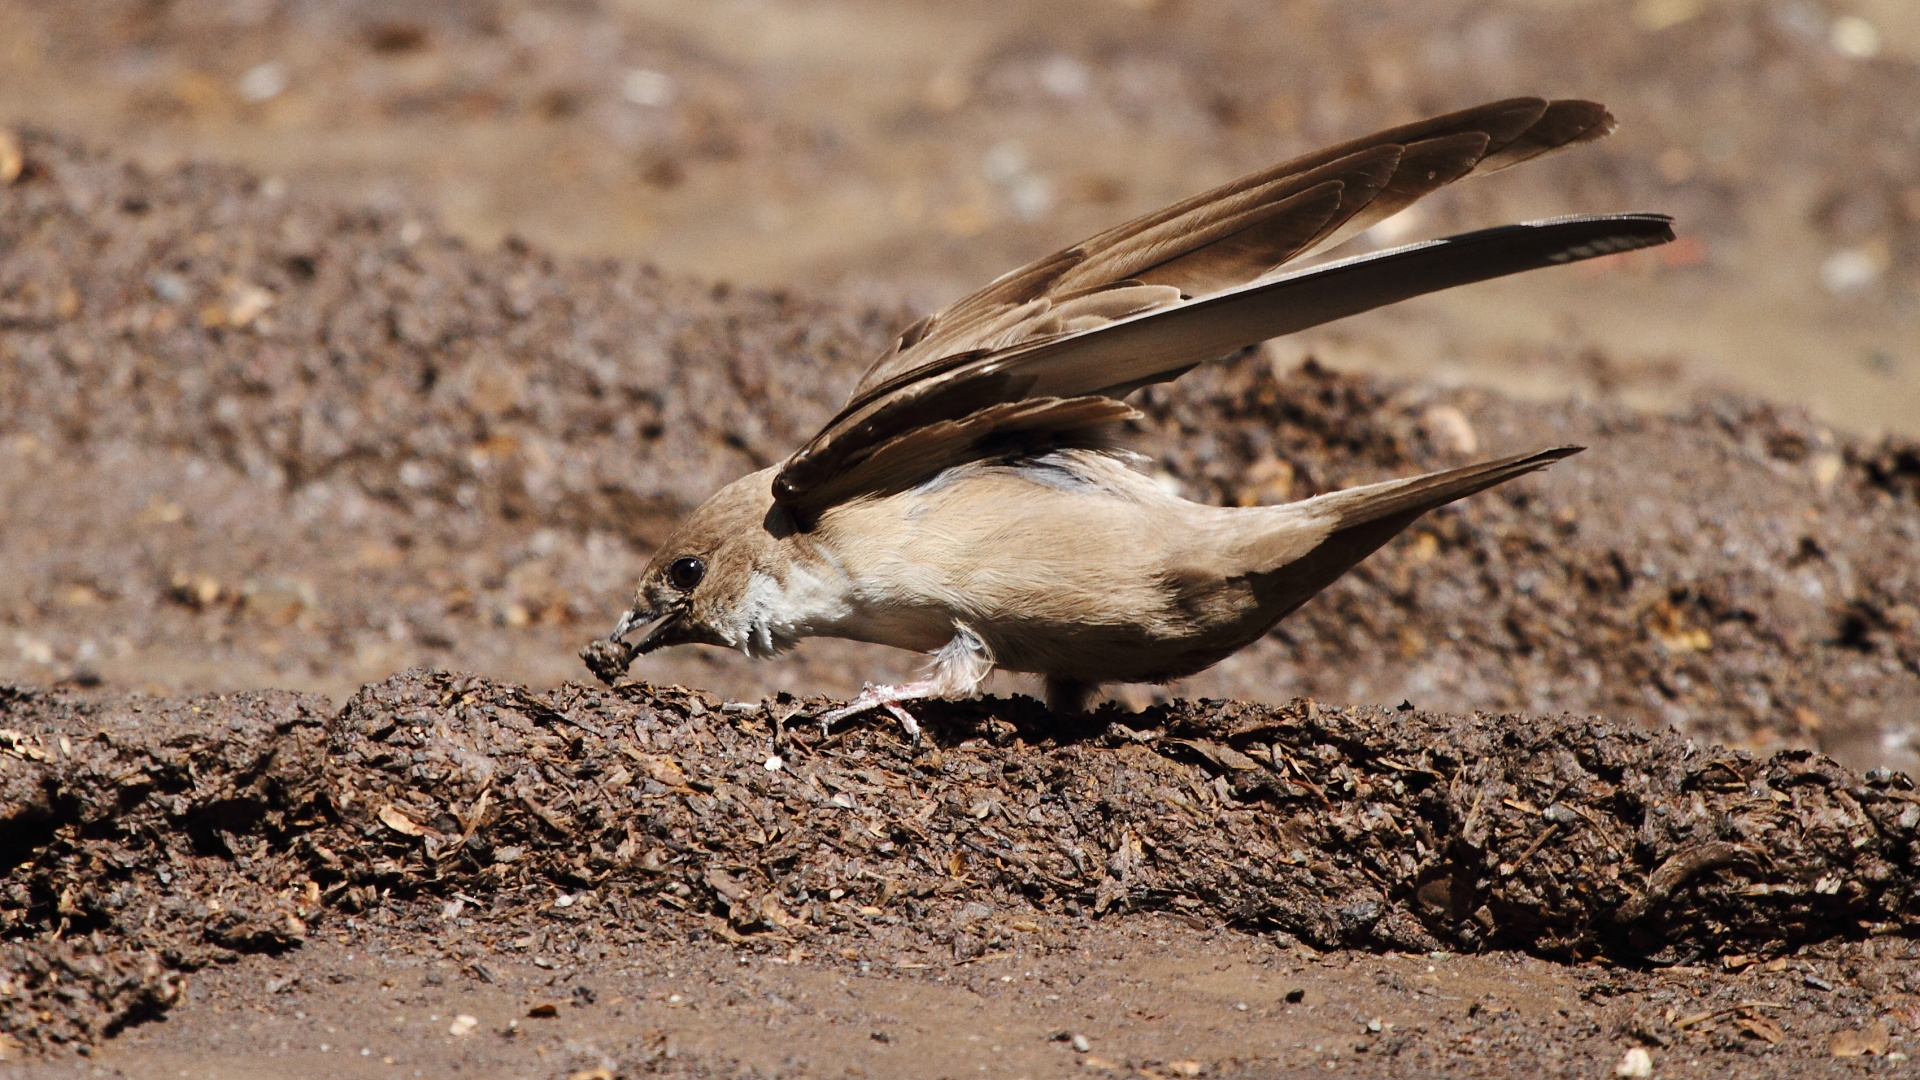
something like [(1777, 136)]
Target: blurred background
[(906, 152), (341, 336)]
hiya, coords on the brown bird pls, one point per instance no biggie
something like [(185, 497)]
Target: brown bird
[(970, 501)]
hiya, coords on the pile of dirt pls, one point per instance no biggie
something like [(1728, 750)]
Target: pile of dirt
[(275, 442), (303, 344), (127, 824), (152, 837)]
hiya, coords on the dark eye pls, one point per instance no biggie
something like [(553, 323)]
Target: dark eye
[(685, 572)]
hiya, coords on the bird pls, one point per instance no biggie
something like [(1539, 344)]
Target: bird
[(974, 499)]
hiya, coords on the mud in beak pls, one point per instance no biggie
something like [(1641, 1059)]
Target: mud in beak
[(657, 630)]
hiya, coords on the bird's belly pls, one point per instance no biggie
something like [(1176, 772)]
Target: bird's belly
[(1094, 585), (921, 627), (1144, 650), (1118, 628)]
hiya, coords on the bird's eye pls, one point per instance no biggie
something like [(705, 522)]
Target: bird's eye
[(685, 572)]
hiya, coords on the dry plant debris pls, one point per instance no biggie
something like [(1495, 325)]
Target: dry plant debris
[(149, 838)]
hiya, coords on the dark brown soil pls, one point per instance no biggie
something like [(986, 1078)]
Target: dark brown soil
[(913, 150), (448, 816)]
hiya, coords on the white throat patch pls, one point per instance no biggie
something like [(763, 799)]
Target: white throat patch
[(778, 615)]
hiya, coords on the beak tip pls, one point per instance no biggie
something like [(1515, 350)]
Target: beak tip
[(648, 624)]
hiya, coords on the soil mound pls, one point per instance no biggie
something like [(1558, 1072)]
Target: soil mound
[(154, 837)]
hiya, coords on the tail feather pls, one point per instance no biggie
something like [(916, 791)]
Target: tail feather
[(1418, 494), (1360, 520)]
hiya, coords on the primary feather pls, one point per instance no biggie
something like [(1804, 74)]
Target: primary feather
[(1148, 300)]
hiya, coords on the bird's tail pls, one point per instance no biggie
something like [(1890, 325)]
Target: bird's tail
[(1357, 521), (1415, 495)]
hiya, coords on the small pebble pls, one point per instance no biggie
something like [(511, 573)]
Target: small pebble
[(1081, 1044), (1636, 1064), (774, 763)]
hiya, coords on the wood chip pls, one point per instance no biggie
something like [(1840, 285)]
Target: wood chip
[(1218, 753), (660, 768), (396, 819), (12, 164), (1872, 1039), (981, 959)]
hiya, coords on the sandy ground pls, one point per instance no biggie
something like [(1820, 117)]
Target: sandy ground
[(309, 422)]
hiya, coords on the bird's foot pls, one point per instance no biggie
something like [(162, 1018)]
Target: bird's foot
[(886, 698)]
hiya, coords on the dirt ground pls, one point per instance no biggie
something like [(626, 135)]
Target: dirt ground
[(271, 432), (651, 880)]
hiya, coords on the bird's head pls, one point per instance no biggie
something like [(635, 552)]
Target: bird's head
[(695, 590)]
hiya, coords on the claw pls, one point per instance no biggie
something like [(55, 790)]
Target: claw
[(887, 698), (906, 721)]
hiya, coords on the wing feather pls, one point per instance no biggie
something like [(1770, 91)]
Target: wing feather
[(1147, 300), (1164, 341), (1006, 428), (1514, 130)]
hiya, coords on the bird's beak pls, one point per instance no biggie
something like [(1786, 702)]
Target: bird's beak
[(629, 619), (651, 624)]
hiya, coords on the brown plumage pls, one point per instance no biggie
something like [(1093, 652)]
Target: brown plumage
[(969, 501)]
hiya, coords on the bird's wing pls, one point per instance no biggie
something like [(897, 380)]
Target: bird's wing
[(1105, 363), (1147, 300), (998, 429), (1241, 230)]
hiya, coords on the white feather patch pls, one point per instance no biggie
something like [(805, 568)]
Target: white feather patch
[(776, 615)]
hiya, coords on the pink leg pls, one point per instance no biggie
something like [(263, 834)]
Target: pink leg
[(887, 698)]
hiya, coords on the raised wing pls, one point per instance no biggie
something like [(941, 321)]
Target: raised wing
[(1106, 362), (1068, 335), (1241, 230)]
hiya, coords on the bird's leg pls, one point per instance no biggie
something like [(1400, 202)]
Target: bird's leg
[(959, 667), (1069, 697), (887, 698)]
